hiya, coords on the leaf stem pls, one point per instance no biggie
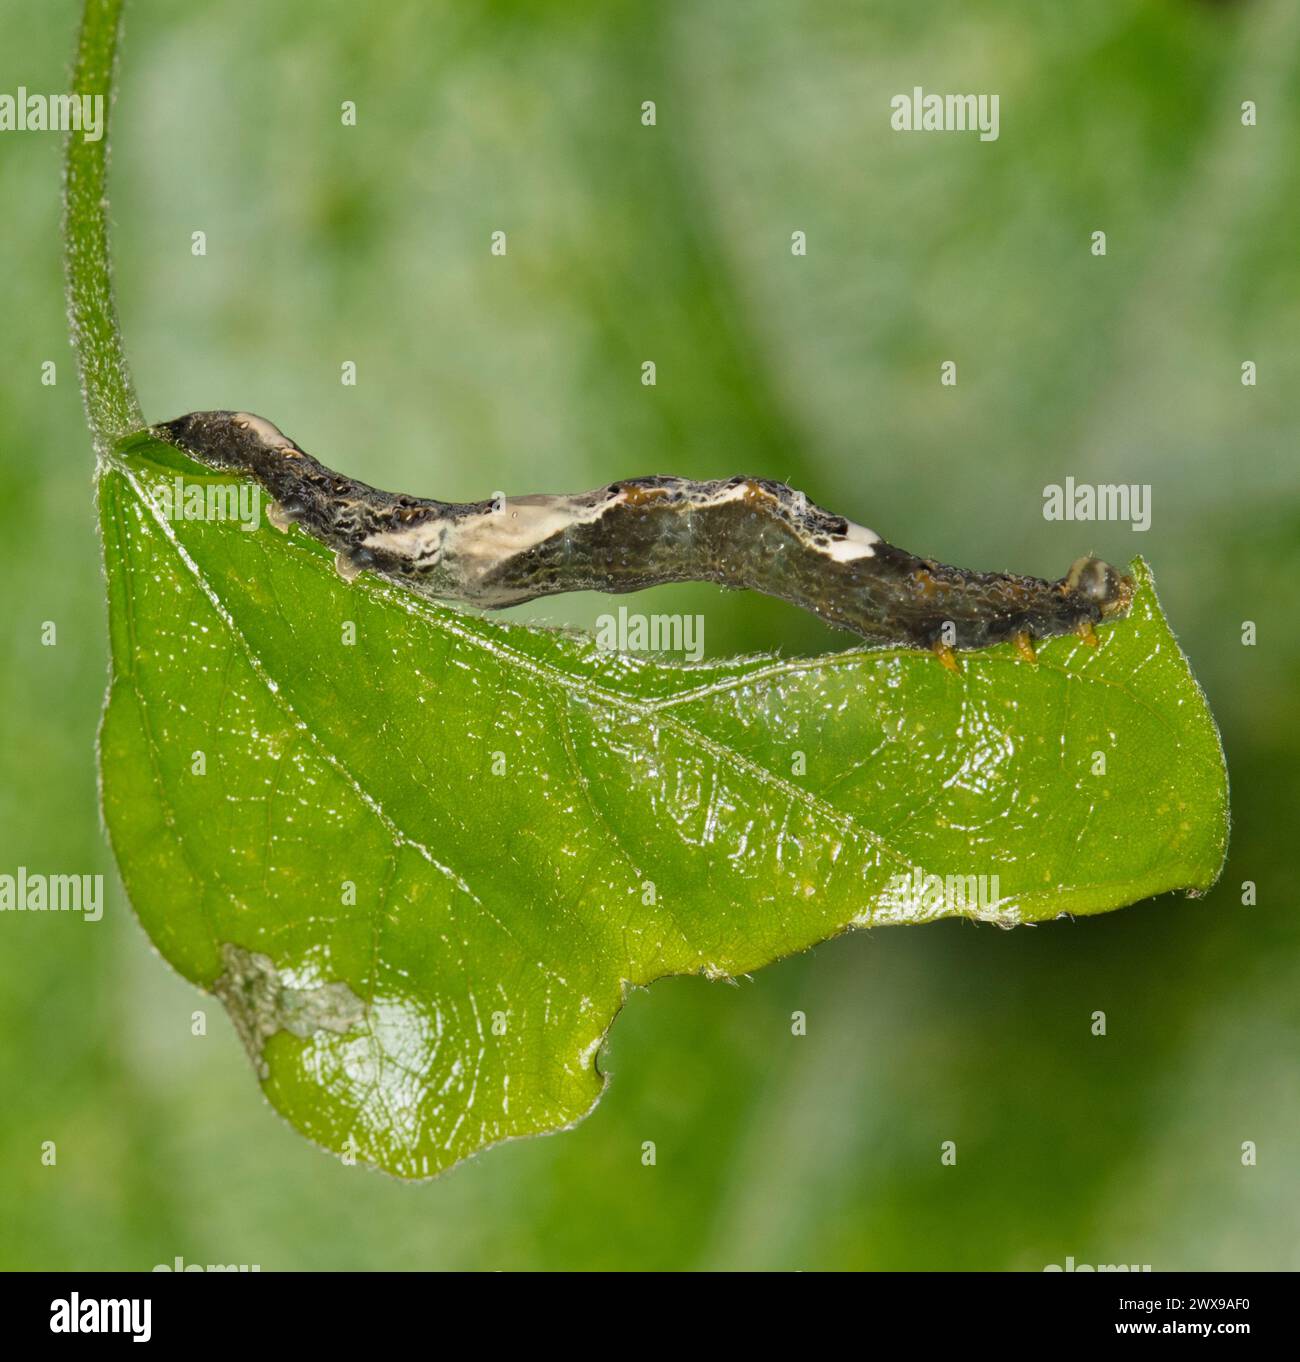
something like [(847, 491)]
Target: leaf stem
[(112, 408)]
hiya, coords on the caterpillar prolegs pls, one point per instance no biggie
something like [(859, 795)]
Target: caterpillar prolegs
[(749, 533)]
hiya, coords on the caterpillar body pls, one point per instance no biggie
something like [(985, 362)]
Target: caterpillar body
[(741, 532)]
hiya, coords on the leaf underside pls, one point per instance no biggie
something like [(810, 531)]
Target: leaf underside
[(421, 869)]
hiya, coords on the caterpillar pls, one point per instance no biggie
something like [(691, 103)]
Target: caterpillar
[(741, 532)]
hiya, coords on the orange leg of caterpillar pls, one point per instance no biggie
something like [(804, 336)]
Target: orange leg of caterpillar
[(946, 655), (1087, 633), (1024, 646)]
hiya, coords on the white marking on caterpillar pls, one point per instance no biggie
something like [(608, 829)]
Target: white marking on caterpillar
[(481, 542), (856, 543)]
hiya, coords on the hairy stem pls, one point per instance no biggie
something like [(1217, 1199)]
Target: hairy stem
[(112, 408)]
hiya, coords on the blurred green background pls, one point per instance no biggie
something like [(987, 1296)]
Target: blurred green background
[(327, 243)]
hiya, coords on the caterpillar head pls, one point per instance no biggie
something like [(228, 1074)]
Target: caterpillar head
[(226, 439), (1100, 584)]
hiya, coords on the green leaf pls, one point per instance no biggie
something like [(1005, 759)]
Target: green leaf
[(422, 855)]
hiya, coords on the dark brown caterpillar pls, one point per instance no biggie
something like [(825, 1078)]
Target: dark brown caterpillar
[(749, 533)]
